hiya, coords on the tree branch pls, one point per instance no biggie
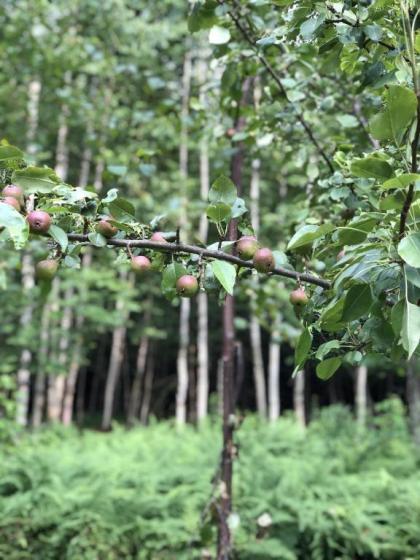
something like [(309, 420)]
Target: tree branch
[(204, 253), (279, 84)]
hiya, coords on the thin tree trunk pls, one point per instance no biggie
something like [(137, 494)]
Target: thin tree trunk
[(148, 385), (299, 398), (220, 386), (28, 272), (39, 388), (115, 363), (361, 394), (135, 395), (274, 371), (413, 397), (224, 543), (185, 307)]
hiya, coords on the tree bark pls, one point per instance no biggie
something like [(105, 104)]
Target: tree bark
[(361, 394), (202, 300), (274, 371), (413, 397), (40, 379), (185, 307), (148, 385), (224, 545), (299, 398), (135, 394), (115, 362), (28, 272)]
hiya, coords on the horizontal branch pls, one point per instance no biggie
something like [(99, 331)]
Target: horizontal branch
[(202, 252)]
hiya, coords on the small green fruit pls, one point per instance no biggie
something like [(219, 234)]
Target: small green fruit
[(158, 237), (140, 264), (298, 297), (264, 260), (187, 286), (46, 269), (39, 221), (11, 201), (247, 247), (105, 228)]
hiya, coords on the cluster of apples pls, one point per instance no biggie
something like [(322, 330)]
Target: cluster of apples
[(263, 260)]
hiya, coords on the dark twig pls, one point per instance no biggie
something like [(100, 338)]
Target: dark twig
[(204, 253)]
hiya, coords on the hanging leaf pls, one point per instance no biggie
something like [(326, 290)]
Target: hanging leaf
[(59, 235), (409, 249), (327, 368), (10, 153), (307, 234), (393, 121), (326, 348), (371, 168), (219, 35), (223, 190), (303, 347), (357, 303), (35, 179), (410, 332), (225, 273), (402, 181), (219, 212)]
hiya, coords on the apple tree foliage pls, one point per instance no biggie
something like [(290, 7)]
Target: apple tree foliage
[(337, 104)]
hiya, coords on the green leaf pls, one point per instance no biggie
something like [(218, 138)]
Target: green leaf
[(330, 318), (169, 277), (219, 35), (35, 179), (327, 368), (410, 332), (59, 235), (401, 181), (219, 212), (118, 170), (225, 273), (358, 302), (409, 249), (326, 348), (397, 315), (239, 208), (202, 16), (307, 234), (400, 110), (223, 190), (371, 167), (10, 153), (15, 224), (121, 209), (356, 230), (303, 347), (97, 239)]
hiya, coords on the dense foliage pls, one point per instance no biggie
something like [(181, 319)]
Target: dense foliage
[(334, 492)]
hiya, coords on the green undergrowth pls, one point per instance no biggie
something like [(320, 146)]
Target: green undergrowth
[(334, 492)]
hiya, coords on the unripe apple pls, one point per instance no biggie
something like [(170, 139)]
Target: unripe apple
[(158, 237), (264, 260), (105, 228), (39, 221), (247, 246), (46, 269), (15, 192), (298, 297), (187, 286), (140, 264), (11, 201)]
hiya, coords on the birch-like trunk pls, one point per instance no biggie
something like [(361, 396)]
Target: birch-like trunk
[(115, 363), (148, 386), (254, 325), (361, 394), (299, 398), (413, 397), (23, 373), (185, 307), (202, 300), (135, 394), (274, 371)]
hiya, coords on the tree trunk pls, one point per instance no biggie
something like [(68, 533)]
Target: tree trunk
[(28, 272), (202, 300), (185, 307), (413, 397), (274, 371), (299, 398), (148, 385), (115, 362), (361, 394), (135, 395), (224, 543)]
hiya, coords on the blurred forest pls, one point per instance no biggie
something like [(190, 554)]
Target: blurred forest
[(148, 104)]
